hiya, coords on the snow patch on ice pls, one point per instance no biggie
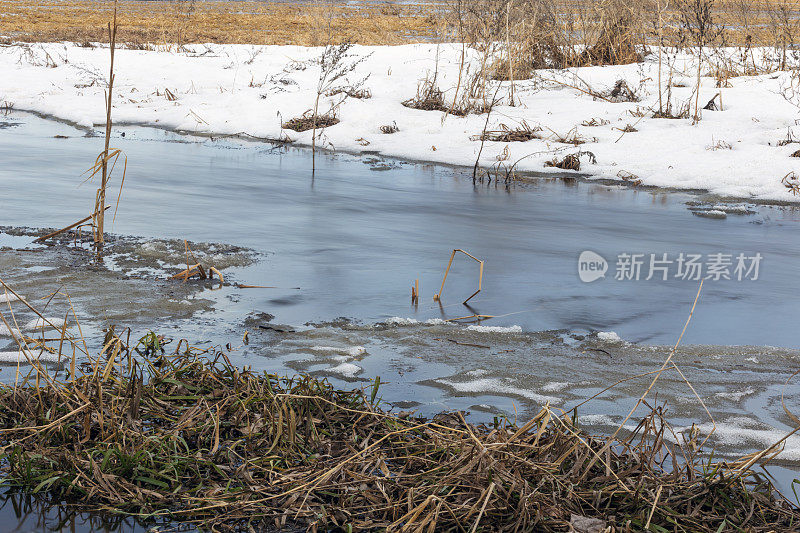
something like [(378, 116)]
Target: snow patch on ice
[(595, 420), (733, 434), (5, 331), (608, 336), (19, 357), (402, 321), (346, 369), (353, 351), (37, 323), (736, 396), (498, 386), (495, 329), (5, 298), (555, 386)]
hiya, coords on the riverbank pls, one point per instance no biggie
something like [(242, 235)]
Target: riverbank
[(189, 436), (405, 101)]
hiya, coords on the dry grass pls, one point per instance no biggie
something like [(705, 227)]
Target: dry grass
[(522, 133), (192, 437), (310, 121), (608, 29), (247, 22)]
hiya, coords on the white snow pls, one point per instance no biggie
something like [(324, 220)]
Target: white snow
[(555, 386), (402, 321), (498, 386), (346, 369), (5, 298), (733, 434), (353, 351), (48, 322), (608, 336), (595, 420), (19, 357), (6, 332), (737, 395), (228, 89), (495, 329)]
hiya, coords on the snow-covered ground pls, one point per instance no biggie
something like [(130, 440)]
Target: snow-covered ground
[(228, 89)]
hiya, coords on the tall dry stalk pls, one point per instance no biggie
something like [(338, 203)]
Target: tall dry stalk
[(100, 204)]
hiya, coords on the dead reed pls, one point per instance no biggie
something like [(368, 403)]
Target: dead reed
[(189, 436)]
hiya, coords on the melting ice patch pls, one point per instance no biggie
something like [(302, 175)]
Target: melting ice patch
[(608, 336), (346, 369), (495, 329), (595, 420), (353, 351), (555, 386), (403, 321), (495, 386), (5, 298), (733, 434), (5, 331), (19, 357), (47, 322), (737, 395)]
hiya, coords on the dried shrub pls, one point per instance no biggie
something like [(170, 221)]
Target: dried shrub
[(571, 161), (521, 133), (618, 36), (350, 92), (621, 92), (629, 177), (719, 145), (629, 128), (309, 121), (573, 137), (792, 182), (594, 122), (389, 129), (428, 98)]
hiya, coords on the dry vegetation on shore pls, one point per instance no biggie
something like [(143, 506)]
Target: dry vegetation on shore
[(214, 21), (189, 436), (746, 22)]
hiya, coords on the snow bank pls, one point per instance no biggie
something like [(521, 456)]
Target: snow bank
[(229, 89)]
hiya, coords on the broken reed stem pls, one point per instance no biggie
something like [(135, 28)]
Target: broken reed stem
[(100, 206), (62, 230), (437, 297)]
